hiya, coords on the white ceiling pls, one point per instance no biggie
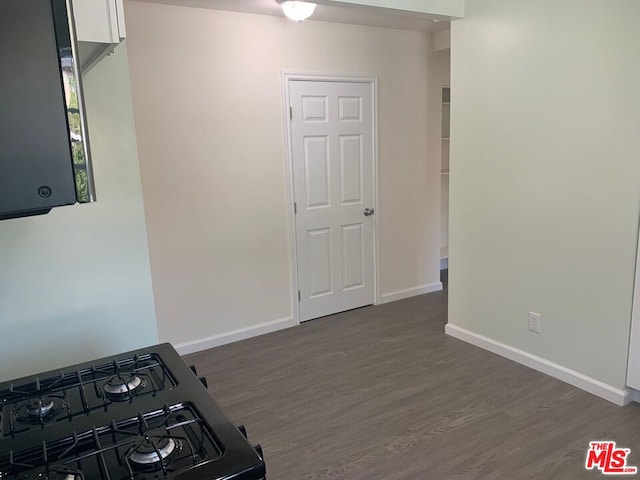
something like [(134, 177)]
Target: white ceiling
[(370, 16)]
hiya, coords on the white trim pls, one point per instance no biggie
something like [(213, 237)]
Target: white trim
[(596, 387), (411, 292), (291, 220), (287, 77), (235, 335), (321, 77), (633, 358), (444, 263), (376, 197)]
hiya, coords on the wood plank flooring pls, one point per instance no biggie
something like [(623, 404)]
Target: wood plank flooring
[(382, 393)]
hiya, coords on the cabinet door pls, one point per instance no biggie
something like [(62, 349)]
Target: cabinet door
[(97, 21), (122, 33)]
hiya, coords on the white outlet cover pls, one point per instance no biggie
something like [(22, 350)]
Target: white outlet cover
[(534, 322)]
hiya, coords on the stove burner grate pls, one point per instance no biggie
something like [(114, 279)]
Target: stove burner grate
[(150, 446), (124, 381), (65, 395), (39, 408), (51, 472), (36, 412), (139, 415), (62, 475), (121, 386), (153, 450)]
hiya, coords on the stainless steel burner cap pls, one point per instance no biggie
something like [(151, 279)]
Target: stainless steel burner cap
[(146, 454), (120, 384), (38, 408)]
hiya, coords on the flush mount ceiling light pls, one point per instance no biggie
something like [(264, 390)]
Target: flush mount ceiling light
[(297, 11)]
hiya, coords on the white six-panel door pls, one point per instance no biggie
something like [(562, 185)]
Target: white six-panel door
[(332, 138)]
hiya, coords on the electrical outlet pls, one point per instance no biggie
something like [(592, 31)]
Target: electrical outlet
[(534, 322)]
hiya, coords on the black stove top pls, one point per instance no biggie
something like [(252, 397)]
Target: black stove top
[(140, 415)]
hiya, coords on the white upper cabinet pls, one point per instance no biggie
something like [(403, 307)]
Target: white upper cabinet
[(99, 28)]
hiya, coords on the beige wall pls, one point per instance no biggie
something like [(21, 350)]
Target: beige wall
[(545, 175), (207, 98)]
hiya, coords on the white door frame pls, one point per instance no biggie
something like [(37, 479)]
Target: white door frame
[(633, 355), (288, 77)]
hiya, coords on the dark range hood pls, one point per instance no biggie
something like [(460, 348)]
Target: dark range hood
[(44, 149)]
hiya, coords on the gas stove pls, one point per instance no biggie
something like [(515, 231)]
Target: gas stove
[(140, 415)]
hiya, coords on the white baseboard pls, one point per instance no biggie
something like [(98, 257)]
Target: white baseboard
[(444, 263), (235, 335), (410, 292), (596, 387)]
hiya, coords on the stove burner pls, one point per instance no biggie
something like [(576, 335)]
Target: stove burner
[(122, 385), (38, 411), (39, 408), (146, 453)]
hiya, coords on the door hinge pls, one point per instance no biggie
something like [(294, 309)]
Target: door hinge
[(290, 113), (295, 208), (299, 295)]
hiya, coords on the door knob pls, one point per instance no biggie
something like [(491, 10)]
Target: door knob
[(368, 212)]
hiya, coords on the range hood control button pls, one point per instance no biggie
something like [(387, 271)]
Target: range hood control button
[(44, 191)]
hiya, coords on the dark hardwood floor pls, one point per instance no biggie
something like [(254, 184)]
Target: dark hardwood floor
[(382, 393)]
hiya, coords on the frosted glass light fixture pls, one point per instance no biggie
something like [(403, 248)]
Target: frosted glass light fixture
[(297, 11)]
